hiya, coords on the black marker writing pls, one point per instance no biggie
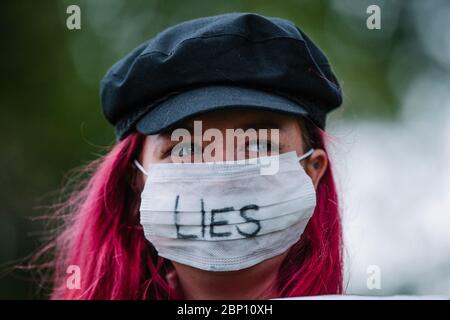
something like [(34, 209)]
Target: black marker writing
[(214, 223), (179, 234), (248, 219), (203, 218), (219, 223)]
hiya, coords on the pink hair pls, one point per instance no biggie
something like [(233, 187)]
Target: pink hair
[(103, 237)]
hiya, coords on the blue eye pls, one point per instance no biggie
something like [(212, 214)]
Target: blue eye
[(260, 146), (186, 149)]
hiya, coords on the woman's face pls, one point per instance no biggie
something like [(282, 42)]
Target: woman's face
[(157, 149)]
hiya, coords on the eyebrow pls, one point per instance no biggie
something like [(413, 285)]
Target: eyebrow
[(263, 124), (168, 131)]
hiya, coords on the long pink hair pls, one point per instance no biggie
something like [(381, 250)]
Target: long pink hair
[(101, 234)]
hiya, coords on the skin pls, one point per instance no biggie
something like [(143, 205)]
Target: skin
[(257, 281)]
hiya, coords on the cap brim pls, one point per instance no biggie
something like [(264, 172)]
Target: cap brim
[(199, 100)]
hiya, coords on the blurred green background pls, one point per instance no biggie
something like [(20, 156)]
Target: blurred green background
[(50, 116)]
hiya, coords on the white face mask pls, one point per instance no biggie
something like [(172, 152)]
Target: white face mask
[(226, 216)]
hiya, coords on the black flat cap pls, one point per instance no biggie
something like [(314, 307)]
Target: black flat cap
[(232, 60)]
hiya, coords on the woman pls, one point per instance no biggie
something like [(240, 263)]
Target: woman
[(144, 227)]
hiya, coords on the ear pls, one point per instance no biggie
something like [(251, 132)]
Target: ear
[(316, 165)]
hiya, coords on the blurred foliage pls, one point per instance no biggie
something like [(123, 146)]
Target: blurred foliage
[(50, 114)]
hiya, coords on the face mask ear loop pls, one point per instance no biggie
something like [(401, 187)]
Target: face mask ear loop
[(306, 155), (140, 167)]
